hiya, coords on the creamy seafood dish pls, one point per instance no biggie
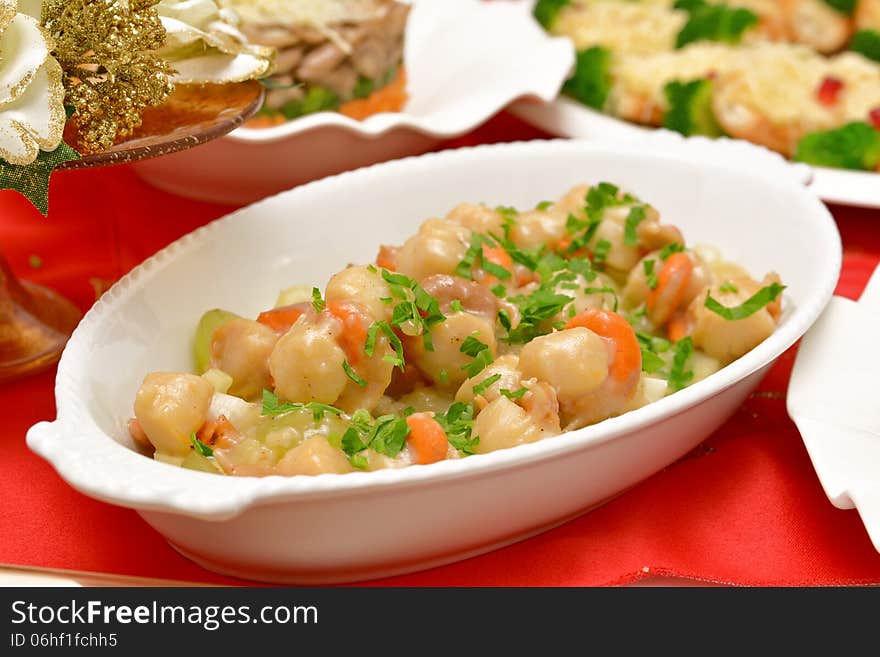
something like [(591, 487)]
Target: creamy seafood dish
[(801, 77), (333, 55), (488, 328)]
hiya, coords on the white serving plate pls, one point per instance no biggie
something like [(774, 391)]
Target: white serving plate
[(333, 528), (833, 400), (465, 60), (565, 117)]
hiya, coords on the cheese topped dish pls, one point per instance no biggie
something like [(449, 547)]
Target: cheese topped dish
[(801, 77), (333, 55), (486, 329)]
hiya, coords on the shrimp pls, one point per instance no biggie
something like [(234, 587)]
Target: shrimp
[(679, 279)]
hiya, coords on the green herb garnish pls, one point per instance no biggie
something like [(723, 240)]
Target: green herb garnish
[(514, 394), (678, 376), (671, 248), (458, 423), (199, 446), (349, 371), (317, 301), (633, 219), (747, 308), (600, 254), (479, 351), (650, 274), (483, 385), (727, 286)]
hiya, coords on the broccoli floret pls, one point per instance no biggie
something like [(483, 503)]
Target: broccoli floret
[(591, 81), (545, 11), (689, 5), (690, 108), (317, 99), (867, 43), (846, 7), (853, 146), (713, 23)]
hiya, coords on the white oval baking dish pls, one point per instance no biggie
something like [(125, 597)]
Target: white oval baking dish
[(334, 528)]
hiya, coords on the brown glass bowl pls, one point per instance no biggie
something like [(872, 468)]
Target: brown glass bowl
[(192, 115)]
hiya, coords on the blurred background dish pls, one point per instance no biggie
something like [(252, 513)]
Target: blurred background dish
[(800, 77), (464, 60)]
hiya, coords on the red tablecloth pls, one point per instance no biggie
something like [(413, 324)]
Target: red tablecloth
[(744, 508)]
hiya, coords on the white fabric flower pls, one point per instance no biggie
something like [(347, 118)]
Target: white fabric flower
[(31, 90), (205, 45)]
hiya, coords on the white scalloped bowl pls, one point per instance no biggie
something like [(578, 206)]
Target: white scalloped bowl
[(334, 528), (465, 60)]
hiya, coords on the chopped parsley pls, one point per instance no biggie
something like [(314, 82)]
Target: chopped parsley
[(199, 446), (651, 346), (603, 290), (458, 423), (272, 407), (650, 274), (479, 351), (317, 301), (636, 216), (600, 255), (351, 374), (416, 308), (748, 307), (386, 435), (484, 385), (544, 205), (499, 291), (396, 358), (514, 394), (456, 306), (669, 249), (727, 286), (535, 308), (678, 376)]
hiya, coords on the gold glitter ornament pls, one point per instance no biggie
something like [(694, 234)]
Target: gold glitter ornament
[(108, 76)]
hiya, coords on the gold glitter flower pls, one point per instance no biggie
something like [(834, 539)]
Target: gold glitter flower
[(109, 76)]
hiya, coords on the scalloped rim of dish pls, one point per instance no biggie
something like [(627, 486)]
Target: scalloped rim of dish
[(214, 497), (377, 125), (374, 126), (845, 186)]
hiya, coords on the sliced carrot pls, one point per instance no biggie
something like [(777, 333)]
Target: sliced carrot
[(390, 98), (281, 319), (354, 328), (497, 256), (387, 258), (427, 438), (607, 324)]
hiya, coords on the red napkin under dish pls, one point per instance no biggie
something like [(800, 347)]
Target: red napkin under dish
[(743, 508)]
